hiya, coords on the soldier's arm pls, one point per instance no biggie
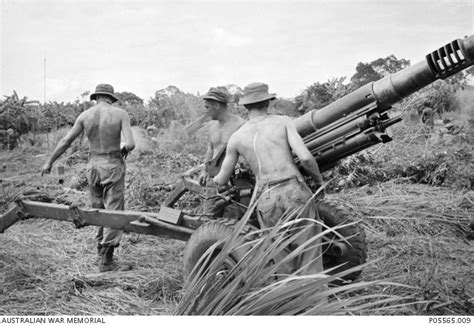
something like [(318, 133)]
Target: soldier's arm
[(209, 152), (127, 133), (64, 143), (229, 163), (203, 176), (302, 152)]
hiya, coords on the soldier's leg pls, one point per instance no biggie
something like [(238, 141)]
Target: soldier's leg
[(311, 260), (299, 196), (271, 208), (114, 199), (95, 193)]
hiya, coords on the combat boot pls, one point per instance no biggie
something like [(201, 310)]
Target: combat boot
[(107, 263)]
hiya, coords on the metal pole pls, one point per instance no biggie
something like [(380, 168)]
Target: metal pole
[(44, 80), (44, 96)]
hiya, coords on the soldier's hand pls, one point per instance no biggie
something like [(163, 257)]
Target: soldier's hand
[(46, 169)]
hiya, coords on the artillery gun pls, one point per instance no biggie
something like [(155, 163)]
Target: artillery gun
[(352, 123)]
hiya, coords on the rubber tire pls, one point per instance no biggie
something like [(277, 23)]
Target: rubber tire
[(332, 215), (207, 235)]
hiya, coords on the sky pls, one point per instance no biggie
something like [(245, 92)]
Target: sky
[(56, 50)]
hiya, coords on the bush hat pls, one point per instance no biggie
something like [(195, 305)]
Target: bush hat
[(217, 94), (104, 89), (256, 92)]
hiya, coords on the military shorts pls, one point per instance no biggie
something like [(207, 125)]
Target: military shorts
[(278, 198)]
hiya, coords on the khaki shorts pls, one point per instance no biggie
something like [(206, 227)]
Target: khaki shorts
[(286, 196)]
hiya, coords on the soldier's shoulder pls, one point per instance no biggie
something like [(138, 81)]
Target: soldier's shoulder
[(119, 110), (94, 107), (237, 136), (88, 112)]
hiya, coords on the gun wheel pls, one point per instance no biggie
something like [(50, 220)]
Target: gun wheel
[(206, 236), (332, 215)]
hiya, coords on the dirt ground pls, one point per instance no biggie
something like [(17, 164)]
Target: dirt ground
[(416, 235)]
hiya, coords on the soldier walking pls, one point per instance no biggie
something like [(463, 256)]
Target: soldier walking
[(103, 125)]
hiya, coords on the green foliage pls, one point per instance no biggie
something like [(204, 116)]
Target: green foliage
[(18, 114), (54, 115), (167, 105), (461, 79), (439, 157), (320, 95), (142, 188), (129, 98), (283, 106), (139, 114), (172, 104), (377, 69), (441, 96), (355, 171)]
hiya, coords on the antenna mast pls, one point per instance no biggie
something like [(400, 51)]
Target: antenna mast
[(44, 80)]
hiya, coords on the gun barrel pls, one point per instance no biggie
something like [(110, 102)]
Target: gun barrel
[(327, 156), (439, 64)]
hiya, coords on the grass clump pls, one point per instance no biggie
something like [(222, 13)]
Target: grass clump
[(260, 283)]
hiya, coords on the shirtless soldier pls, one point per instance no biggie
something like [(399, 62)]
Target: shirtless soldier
[(103, 125), (224, 124), (266, 142)]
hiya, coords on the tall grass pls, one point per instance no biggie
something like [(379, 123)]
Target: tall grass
[(260, 283)]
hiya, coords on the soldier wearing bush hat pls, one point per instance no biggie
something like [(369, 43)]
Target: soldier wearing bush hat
[(104, 125), (267, 143), (255, 93), (104, 89), (222, 126), (217, 94)]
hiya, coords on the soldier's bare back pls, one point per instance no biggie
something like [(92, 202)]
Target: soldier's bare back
[(263, 141), (103, 125)]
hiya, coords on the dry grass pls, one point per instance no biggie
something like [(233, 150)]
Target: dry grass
[(261, 284), (416, 236), (49, 268), (419, 234)]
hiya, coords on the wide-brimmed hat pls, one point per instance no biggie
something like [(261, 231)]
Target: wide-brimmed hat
[(217, 94), (256, 92), (104, 89)]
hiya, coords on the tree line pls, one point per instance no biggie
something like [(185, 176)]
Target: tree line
[(171, 104)]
